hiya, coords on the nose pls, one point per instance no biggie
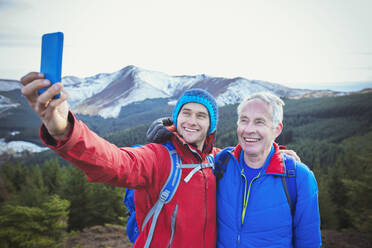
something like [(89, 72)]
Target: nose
[(191, 120), (249, 128)]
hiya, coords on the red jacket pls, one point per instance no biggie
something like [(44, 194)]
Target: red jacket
[(146, 169)]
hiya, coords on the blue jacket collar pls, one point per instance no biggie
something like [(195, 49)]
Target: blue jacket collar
[(273, 166)]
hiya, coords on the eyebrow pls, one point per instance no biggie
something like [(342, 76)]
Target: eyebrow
[(256, 119), (199, 112), (260, 119)]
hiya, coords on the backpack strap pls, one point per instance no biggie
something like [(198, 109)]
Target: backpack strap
[(289, 182), (198, 167), (221, 166), (166, 193)]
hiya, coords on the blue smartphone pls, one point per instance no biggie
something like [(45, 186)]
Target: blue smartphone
[(51, 58)]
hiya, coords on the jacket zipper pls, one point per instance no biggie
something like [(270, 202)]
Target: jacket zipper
[(173, 225), (206, 208), (205, 196), (245, 199)]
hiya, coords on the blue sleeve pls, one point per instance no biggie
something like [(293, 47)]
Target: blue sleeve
[(306, 218)]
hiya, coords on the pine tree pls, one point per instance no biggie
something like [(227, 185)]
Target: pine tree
[(108, 204), (32, 192), (76, 190), (51, 171), (26, 227), (359, 192)]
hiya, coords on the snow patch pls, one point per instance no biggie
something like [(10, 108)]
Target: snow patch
[(138, 93), (14, 133), (237, 91), (8, 85), (80, 89), (6, 103), (172, 103), (158, 80), (19, 146)]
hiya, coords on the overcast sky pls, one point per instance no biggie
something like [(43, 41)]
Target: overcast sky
[(294, 43)]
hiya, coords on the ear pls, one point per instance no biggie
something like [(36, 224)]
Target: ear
[(278, 130)]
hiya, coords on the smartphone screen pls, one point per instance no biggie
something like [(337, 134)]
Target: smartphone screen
[(51, 57)]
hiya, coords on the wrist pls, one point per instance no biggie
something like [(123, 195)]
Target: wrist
[(62, 135)]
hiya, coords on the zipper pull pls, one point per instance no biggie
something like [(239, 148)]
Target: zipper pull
[(238, 238)]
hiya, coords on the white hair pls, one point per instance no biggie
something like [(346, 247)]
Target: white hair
[(276, 104)]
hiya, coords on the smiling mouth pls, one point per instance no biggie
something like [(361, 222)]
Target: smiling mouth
[(190, 130), (251, 139)]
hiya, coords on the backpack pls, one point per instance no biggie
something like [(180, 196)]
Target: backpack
[(166, 194), (132, 227), (288, 181)]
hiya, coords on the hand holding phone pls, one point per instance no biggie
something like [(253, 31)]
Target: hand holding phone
[(51, 58)]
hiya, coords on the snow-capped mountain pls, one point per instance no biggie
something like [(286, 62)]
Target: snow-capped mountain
[(7, 103), (9, 85), (126, 87), (106, 94), (81, 88)]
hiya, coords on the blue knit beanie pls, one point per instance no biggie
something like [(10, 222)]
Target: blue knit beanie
[(202, 97)]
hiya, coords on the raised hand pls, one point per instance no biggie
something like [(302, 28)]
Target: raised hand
[(53, 112), (160, 130)]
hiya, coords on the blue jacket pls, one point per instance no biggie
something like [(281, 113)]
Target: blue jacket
[(267, 221)]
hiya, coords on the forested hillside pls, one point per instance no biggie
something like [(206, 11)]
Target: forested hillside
[(41, 197)]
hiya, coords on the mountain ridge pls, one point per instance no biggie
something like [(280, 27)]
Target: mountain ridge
[(108, 93), (104, 94)]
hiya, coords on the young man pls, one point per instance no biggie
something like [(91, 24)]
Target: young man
[(252, 207), (189, 219)]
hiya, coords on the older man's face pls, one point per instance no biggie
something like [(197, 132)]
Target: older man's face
[(255, 129)]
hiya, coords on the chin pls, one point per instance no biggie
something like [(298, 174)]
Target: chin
[(190, 140), (249, 148)]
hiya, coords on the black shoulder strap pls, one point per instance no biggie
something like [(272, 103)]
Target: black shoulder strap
[(220, 166), (289, 182)]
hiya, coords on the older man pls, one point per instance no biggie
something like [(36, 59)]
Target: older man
[(252, 206)]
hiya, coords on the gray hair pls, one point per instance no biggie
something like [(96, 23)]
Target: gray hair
[(276, 104)]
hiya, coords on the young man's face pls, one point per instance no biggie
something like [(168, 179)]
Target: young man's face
[(255, 129), (193, 124)]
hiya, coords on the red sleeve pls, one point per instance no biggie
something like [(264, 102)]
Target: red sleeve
[(216, 150), (281, 147), (103, 161)]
